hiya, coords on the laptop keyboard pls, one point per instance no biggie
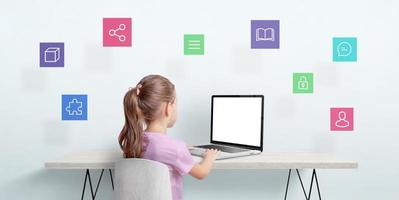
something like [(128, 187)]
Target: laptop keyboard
[(222, 148)]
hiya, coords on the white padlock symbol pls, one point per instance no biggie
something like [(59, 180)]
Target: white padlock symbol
[(303, 83)]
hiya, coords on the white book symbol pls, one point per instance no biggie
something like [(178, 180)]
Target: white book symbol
[(265, 34)]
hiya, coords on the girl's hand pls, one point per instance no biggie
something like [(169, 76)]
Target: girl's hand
[(202, 169), (211, 154)]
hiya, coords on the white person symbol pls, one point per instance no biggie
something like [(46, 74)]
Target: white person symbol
[(342, 122)]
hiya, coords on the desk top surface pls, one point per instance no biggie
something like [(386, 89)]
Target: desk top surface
[(105, 159)]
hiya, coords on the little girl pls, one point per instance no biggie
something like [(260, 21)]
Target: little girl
[(150, 108)]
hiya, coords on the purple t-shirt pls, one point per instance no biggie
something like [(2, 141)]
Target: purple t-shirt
[(173, 153)]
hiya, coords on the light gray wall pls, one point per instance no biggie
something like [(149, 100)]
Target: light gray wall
[(32, 132)]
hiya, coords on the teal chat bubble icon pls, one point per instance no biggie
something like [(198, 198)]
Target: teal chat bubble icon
[(344, 49)]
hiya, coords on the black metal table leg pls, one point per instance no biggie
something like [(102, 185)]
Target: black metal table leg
[(307, 196), (112, 180), (300, 179), (288, 183), (98, 183), (84, 186), (314, 177), (88, 177), (317, 184)]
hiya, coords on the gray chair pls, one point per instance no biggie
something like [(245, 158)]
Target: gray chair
[(141, 179)]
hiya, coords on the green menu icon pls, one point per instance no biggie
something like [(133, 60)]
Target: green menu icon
[(302, 83), (193, 44)]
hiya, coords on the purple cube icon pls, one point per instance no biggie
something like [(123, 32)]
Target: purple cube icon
[(265, 34), (51, 54)]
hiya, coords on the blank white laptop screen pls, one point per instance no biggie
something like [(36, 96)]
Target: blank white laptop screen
[(237, 120)]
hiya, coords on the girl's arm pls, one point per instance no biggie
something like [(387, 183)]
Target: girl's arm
[(202, 169)]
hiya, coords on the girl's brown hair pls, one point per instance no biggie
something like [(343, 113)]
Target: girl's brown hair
[(141, 106)]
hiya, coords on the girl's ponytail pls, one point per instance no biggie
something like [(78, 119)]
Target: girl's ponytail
[(141, 106), (131, 136)]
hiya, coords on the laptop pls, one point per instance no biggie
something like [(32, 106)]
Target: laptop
[(236, 126)]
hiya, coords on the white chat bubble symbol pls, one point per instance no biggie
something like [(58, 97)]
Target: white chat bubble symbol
[(344, 49)]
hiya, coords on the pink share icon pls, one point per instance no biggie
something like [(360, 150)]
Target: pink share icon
[(113, 32)]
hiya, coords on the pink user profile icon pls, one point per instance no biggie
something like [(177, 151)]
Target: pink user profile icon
[(341, 119), (117, 32)]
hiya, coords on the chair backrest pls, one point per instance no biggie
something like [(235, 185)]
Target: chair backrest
[(141, 179)]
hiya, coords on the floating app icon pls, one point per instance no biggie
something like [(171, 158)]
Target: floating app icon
[(302, 83), (345, 49), (193, 44), (341, 119), (265, 34), (117, 32), (74, 107), (51, 54)]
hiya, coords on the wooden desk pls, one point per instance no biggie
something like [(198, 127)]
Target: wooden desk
[(105, 159)]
